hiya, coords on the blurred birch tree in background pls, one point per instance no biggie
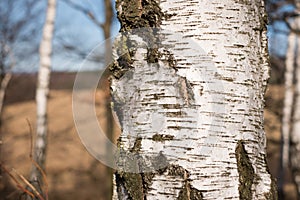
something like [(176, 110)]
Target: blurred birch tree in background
[(42, 92)]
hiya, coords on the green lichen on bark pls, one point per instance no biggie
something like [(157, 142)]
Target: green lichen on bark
[(245, 170)]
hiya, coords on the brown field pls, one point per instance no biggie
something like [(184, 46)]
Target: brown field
[(71, 172)]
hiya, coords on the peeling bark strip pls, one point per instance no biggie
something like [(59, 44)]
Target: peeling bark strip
[(187, 93)]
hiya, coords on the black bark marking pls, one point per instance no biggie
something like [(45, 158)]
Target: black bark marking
[(189, 193), (126, 50), (137, 145), (153, 55), (162, 138)]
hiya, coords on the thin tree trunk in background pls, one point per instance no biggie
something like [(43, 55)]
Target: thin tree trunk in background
[(106, 28), (4, 84), (287, 110), (42, 93), (7, 75), (295, 130), (197, 113)]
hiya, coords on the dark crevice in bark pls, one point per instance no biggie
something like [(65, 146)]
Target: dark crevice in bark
[(136, 185), (139, 14), (187, 192), (141, 18), (245, 170), (133, 184), (125, 49), (121, 189)]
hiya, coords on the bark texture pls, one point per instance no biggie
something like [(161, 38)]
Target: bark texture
[(42, 92), (189, 98)]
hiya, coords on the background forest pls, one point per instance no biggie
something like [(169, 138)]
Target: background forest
[(71, 172)]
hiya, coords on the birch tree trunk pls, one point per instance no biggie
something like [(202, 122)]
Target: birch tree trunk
[(42, 92), (295, 133), (189, 97), (295, 130), (287, 108)]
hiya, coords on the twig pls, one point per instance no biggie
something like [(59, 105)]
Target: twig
[(84, 11), (46, 186), (31, 137), (29, 185), (16, 181)]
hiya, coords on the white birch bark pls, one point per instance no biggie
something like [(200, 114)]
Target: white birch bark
[(4, 84), (201, 111), (7, 75), (295, 130), (43, 90), (288, 104)]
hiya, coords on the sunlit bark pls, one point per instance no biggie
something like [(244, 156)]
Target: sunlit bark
[(198, 110)]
